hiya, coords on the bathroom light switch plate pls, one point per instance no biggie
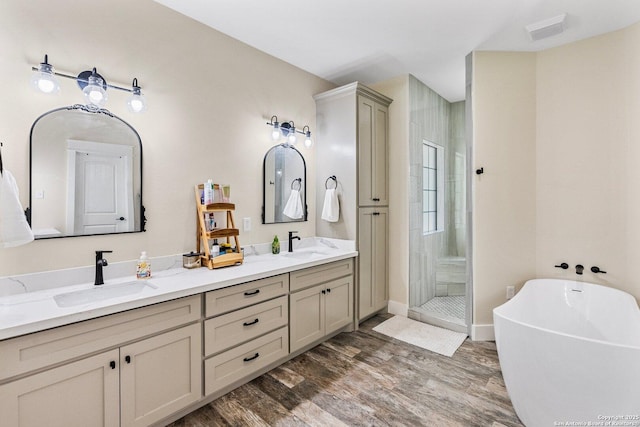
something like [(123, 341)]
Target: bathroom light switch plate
[(246, 224)]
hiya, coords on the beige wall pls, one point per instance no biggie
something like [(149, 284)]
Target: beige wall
[(504, 102), (587, 150), (558, 135), (209, 97)]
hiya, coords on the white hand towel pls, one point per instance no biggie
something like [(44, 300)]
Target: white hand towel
[(14, 228), (293, 208), (331, 208)]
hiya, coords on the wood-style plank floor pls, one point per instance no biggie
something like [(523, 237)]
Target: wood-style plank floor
[(365, 378)]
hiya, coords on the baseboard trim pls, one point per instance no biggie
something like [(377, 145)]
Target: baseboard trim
[(482, 333), (398, 308)]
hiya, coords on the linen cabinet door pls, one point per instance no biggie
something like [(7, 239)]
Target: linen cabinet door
[(160, 375), (307, 320), (83, 393), (338, 306), (373, 260), (373, 169)]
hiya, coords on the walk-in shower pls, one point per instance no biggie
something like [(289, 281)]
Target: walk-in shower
[(438, 213)]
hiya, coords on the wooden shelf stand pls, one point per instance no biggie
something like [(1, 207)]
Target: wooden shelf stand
[(203, 235)]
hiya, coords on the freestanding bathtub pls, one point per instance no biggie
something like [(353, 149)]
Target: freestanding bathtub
[(570, 354)]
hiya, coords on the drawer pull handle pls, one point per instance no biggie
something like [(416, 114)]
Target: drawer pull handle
[(251, 323), (112, 364), (376, 199), (248, 294), (127, 359), (249, 359)]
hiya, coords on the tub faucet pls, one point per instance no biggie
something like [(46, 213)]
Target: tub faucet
[(291, 238), (100, 262), (579, 269)]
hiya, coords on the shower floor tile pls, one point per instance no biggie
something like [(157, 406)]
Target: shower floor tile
[(452, 306)]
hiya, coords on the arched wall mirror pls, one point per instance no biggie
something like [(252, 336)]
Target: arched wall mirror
[(284, 186), (86, 174)]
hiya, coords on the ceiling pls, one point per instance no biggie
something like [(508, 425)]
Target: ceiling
[(373, 40)]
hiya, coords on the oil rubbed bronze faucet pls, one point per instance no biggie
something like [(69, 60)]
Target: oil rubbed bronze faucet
[(579, 269), (100, 262), (291, 238)]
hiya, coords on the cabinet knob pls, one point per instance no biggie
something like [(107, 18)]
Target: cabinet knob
[(249, 359), (328, 290), (324, 292), (251, 323), (112, 364), (127, 359)]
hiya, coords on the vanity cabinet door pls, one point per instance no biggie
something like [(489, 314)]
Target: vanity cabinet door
[(160, 375), (83, 393), (338, 307), (373, 260), (307, 317)]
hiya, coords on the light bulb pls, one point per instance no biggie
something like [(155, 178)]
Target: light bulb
[(275, 132), (292, 136), (94, 93), (136, 103), (308, 142), (44, 79)]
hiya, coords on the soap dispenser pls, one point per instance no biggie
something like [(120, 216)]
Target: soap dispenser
[(275, 246), (143, 269)]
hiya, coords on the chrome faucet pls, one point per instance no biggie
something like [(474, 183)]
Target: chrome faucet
[(100, 262), (291, 237)]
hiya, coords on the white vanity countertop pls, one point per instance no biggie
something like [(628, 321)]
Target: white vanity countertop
[(34, 311)]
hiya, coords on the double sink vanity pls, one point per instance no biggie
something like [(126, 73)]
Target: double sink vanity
[(139, 353)]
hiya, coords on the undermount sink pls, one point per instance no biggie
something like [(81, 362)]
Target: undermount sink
[(100, 293), (303, 254)]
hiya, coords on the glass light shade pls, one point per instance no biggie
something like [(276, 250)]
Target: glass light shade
[(275, 131), (44, 80), (136, 103), (292, 138), (94, 93), (308, 142)]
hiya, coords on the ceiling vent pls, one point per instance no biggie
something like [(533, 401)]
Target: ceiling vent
[(547, 28)]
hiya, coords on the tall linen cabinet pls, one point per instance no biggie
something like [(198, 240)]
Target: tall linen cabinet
[(352, 143)]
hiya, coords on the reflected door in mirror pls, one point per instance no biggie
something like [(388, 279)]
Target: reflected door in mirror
[(86, 174)]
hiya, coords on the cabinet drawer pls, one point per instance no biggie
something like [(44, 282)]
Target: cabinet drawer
[(226, 331), (323, 273), (235, 297), (239, 362), (46, 348)]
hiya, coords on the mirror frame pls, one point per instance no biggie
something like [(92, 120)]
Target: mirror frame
[(92, 110), (264, 181)]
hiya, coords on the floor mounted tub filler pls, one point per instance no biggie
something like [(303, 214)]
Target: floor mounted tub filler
[(570, 354)]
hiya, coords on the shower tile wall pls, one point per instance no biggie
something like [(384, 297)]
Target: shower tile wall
[(437, 266), (429, 119)]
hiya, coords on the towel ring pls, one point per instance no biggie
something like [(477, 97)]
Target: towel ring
[(335, 181), (299, 181)]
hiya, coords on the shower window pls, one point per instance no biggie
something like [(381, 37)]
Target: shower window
[(432, 188)]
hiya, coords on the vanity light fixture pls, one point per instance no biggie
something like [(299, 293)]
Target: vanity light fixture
[(93, 85), (288, 130)]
